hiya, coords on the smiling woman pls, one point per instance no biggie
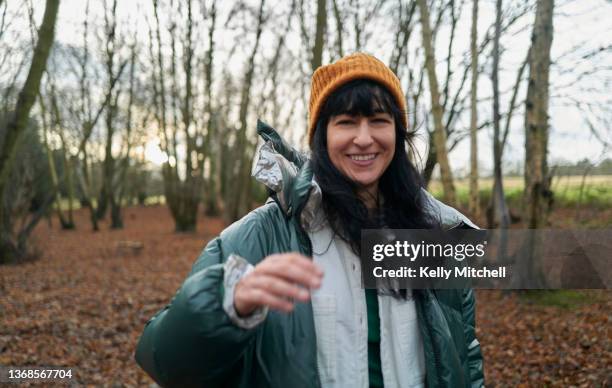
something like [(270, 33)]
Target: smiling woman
[(361, 140), (277, 300)]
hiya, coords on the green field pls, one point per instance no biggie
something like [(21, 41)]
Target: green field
[(597, 192), (569, 191)]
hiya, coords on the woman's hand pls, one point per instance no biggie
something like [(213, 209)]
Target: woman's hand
[(275, 281)]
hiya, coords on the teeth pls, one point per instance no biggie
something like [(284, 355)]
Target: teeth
[(363, 157)]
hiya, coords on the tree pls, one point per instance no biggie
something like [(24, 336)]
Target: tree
[(17, 123), (537, 181), (87, 113), (499, 210), (317, 49), (174, 97), (239, 202), (474, 197), (437, 110), (110, 191), (51, 122), (538, 196), (212, 185)]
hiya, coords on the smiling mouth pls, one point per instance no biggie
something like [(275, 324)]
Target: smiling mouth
[(363, 157)]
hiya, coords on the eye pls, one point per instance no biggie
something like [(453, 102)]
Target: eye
[(381, 120), (344, 122)]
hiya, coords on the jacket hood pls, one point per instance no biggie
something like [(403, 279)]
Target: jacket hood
[(287, 173)]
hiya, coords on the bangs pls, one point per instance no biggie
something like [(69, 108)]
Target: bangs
[(359, 97)]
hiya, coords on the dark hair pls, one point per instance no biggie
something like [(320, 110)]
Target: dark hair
[(400, 185)]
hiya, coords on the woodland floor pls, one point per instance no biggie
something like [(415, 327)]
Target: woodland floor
[(84, 302)]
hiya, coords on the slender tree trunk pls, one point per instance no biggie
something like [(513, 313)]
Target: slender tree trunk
[(500, 216), (439, 131), (242, 185), (106, 192), (51, 162), (537, 190), (339, 33), (538, 196), (317, 50), (69, 168), (66, 164), (211, 201), (474, 195), (431, 161), (18, 122)]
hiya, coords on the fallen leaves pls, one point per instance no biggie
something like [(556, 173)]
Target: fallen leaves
[(83, 305)]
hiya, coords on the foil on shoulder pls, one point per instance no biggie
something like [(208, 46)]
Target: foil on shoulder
[(272, 169), (312, 217)]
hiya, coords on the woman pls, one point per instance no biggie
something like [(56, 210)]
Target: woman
[(276, 300)]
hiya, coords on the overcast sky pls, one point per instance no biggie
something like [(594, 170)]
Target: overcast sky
[(585, 24)]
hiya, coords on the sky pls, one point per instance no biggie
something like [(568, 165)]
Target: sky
[(578, 23)]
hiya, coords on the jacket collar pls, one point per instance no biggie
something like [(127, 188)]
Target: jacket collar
[(288, 175)]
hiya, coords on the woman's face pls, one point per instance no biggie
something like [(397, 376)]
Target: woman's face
[(361, 147)]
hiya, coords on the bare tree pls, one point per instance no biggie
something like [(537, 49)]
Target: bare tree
[(339, 28), (239, 202), (183, 177), (537, 180), (213, 196), (474, 195), (455, 101), (538, 196), (499, 210), (405, 28), (51, 122), (87, 114), (9, 248), (109, 191), (317, 49), (437, 110)]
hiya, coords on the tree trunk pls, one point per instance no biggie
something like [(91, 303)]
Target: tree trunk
[(241, 185), (500, 216), (51, 162), (430, 162), (211, 199), (317, 49), (439, 131), (18, 122), (538, 196), (66, 164), (339, 33), (474, 195), (537, 190)]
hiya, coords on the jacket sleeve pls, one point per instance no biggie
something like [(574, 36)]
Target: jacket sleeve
[(474, 354), (193, 341)]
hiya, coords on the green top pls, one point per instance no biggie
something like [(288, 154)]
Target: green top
[(374, 363)]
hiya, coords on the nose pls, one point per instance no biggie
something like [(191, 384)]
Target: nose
[(364, 136)]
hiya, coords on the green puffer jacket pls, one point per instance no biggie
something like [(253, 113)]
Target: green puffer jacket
[(192, 342)]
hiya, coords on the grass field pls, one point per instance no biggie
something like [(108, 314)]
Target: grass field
[(569, 191), (596, 193)]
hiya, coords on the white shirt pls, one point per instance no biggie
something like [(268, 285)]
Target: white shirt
[(341, 323)]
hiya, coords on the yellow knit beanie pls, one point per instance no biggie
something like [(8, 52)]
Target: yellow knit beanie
[(326, 79)]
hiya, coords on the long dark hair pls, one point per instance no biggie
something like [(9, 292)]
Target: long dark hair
[(402, 202)]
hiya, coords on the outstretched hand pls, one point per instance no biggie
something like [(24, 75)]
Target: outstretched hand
[(275, 282)]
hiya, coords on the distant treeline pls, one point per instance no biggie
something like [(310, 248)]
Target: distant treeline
[(585, 166), (581, 167)]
